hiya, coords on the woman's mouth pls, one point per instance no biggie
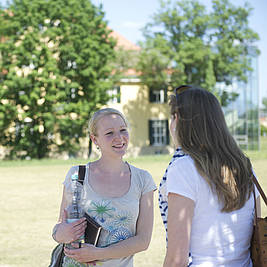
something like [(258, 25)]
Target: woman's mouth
[(118, 146)]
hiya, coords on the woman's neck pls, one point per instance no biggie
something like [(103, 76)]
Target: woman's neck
[(108, 164)]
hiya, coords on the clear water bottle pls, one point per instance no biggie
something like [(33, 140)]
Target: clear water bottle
[(75, 209)]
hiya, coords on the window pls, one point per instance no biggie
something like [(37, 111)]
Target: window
[(157, 95), (115, 95), (159, 132)]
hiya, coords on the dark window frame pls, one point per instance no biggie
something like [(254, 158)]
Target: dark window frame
[(159, 132), (157, 95), (115, 94)]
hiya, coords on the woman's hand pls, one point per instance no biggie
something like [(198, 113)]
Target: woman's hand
[(70, 232), (87, 253)]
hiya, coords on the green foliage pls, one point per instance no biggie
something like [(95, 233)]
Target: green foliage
[(264, 102), (54, 72), (125, 60), (263, 130), (153, 67), (186, 44)]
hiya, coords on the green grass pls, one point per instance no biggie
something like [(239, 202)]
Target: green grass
[(30, 196), (258, 155)]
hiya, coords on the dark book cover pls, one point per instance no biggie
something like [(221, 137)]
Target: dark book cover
[(92, 231)]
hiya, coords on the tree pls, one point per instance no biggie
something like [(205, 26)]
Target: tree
[(194, 46), (54, 70), (264, 102)]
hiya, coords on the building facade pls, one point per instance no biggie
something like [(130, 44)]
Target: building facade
[(147, 112)]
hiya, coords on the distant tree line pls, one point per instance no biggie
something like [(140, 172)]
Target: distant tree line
[(57, 62), (186, 43)]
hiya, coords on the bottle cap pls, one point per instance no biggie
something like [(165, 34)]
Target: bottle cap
[(74, 176)]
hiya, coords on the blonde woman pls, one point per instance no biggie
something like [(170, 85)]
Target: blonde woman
[(118, 196), (205, 196)]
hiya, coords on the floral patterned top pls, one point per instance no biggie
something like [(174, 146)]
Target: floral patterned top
[(117, 215)]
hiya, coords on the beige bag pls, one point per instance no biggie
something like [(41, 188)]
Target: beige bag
[(258, 246)]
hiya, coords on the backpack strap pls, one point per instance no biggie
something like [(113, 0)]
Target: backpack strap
[(81, 174)]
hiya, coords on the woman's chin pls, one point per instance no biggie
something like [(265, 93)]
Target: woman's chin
[(120, 150)]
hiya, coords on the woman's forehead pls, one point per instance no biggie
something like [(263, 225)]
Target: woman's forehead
[(110, 121)]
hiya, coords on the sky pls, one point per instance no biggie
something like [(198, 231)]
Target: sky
[(129, 17)]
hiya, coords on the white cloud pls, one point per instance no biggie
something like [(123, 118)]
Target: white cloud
[(132, 24)]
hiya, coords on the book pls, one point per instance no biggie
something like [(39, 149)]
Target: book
[(92, 231)]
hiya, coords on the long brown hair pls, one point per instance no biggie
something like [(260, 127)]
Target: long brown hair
[(202, 133)]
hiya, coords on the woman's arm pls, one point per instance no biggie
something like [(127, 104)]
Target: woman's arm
[(180, 214), (127, 247), (64, 232)]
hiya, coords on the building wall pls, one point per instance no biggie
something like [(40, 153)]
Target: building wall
[(135, 105)]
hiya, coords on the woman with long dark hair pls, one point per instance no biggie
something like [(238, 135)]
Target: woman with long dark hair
[(205, 196)]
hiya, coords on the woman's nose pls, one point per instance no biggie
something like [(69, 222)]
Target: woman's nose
[(118, 135)]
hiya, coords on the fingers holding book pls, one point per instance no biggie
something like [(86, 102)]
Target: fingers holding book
[(69, 232), (87, 252)]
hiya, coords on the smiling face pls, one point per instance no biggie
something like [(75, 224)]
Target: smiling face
[(112, 135)]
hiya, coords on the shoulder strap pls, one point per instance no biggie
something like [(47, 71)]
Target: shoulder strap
[(81, 174), (259, 189), (255, 182)]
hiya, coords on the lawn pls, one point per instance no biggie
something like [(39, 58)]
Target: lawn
[(30, 195)]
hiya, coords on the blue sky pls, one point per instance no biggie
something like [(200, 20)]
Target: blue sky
[(128, 17)]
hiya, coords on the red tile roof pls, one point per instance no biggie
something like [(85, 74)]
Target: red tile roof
[(123, 42)]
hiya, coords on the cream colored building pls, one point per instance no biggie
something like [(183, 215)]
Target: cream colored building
[(148, 119), (146, 110)]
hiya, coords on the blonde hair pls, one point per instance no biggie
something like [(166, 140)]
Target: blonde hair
[(100, 114)]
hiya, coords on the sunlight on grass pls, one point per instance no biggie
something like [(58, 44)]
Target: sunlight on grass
[(30, 195)]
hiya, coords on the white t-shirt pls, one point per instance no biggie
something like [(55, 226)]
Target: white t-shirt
[(217, 239)]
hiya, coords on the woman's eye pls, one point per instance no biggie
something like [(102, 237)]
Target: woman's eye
[(123, 130), (109, 133)]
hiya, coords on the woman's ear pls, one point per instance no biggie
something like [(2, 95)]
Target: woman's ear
[(176, 118), (93, 138)]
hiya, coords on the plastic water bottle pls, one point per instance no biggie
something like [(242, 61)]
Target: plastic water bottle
[(75, 209)]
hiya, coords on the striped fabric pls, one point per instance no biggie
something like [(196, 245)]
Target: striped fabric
[(163, 198)]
